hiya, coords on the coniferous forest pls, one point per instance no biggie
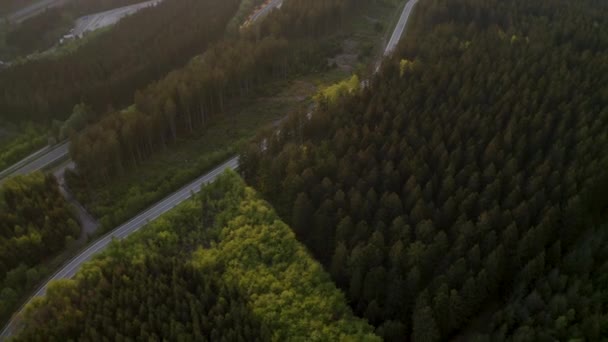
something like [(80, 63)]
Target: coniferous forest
[(105, 72), (463, 178), (189, 98), (459, 193), (222, 267)]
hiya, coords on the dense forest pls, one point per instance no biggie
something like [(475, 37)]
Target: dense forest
[(472, 163), (139, 49), (561, 300), (36, 222), (189, 98), (222, 267), (460, 193)]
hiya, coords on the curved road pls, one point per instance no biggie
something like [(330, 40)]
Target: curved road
[(70, 269), (264, 11), (99, 20)]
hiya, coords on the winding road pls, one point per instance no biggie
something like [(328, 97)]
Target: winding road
[(99, 20), (264, 11), (70, 269), (261, 13)]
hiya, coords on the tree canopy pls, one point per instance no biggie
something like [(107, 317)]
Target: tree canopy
[(222, 267), (36, 223), (471, 155), (189, 98), (106, 71)]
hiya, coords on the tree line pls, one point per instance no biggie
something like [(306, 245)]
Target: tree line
[(36, 223), (221, 267), (189, 98), (106, 71), (464, 165)]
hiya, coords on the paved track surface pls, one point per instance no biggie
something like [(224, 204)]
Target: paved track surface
[(96, 21), (264, 11), (37, 161), (400, 29), (70, 269)]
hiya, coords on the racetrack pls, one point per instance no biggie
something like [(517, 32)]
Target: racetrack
[(96, 21)]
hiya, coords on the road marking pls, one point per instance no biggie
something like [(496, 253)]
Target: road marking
[(36, 161), (155, 211)]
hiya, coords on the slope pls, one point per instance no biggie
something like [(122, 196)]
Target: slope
[(221, 267), (467, 157)]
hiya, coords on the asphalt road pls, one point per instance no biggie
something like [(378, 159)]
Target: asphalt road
[(400, 29), (34, 9), (264, 11), (37, 161), (96, 21), (70, 269)]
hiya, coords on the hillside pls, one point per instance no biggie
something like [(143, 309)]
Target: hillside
[(452, 190), (475, 156), (222, 267), (106, 71)]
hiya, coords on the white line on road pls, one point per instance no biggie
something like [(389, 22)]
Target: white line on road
[(133, 225)]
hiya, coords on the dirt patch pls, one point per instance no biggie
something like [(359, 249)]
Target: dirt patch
[(303, 89), (88, 224), (296, 91), (348, 59)]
